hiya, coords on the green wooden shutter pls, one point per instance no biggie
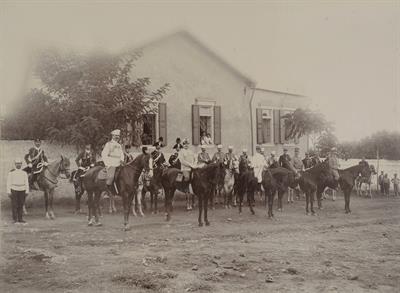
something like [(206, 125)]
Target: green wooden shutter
[(259, 126), (217, 125), (162, 121), (195, 124), (276, 126)]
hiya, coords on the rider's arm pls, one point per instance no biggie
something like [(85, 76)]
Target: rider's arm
[(104, 154), (44, 157), (78, 160)]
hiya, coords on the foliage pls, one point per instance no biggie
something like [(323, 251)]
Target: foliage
[(304, 122), (326, 141), (388, 144), (84, 97)]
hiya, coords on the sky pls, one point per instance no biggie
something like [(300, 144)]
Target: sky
[(344, 55)]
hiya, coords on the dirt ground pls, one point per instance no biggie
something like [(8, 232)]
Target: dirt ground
[(330, 252)]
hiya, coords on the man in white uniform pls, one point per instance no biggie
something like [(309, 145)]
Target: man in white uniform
[(187, 159), (258, 164), (113, 156)]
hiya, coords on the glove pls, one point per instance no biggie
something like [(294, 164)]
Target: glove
[(45, 164), (30, 165), (91, 165)]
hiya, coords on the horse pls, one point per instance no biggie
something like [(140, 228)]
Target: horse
[(315, 180), (347, 180), (153, 186), (48, 179), (126, 182), (276, 180), (80, 190), (247, 184), (203, 181), (229, 182)]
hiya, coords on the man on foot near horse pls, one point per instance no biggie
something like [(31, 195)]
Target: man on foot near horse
[(35, 160), (113, 157), (298, 166)]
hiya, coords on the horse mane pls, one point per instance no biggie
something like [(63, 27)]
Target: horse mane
[(208, 169), (322, 166)]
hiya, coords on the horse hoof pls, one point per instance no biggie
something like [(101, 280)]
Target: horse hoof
[(207, 223), (313, 214), (48, 216), (253, 212), (307, 213), (126, 228), (320, 208), (98, 224), (200, 224)]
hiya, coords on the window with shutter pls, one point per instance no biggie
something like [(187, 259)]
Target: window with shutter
[(217, 125), (264, 125), (195, 124), (162, 121)]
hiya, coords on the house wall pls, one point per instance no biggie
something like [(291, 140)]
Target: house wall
[(277, 100), (195, 75)]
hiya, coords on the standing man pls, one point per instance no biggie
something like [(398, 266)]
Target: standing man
[(203, 157), (307, 162), (315, 159), (229, 157), (396, 182), (380, 182), (178, 144), (113, 157), (17, 190), (219, 155), (35, 160)]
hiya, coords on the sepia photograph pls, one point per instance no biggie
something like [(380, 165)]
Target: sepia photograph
[(199, 146)]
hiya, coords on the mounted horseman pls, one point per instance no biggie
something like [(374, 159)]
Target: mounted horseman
[(113, 157), (35, 160), (188, 162), (85, 160)]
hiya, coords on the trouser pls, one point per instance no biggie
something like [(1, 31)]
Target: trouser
[(110, 175), (17, 203), (396, 189), (386, 188), (382, 188)]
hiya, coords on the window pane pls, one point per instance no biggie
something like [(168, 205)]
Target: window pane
[(266, 130)]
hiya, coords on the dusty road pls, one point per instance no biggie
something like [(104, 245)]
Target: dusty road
[(330, 252)]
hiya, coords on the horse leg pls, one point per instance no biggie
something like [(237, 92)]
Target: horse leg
[(138, 196), (270, 199), (96, 207), (241, 193), (51, 197), (114, 209), (155, 201), (200, 210), (250, 200), (312, 203), (279, 201), (307, 202), (205, 200), (90, 207), (46, 203), (333, 194)]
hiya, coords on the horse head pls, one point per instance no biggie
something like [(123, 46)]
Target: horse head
[(148, 165), (65, 166)]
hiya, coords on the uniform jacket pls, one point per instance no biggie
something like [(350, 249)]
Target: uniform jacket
[(203, 158), (85, 159), (158, 158), (187, 159), (307, 162), (174, 161), (112, 154), (297, 163), (218, 157), (284, 161)]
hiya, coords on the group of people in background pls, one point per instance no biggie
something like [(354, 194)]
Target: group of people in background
[(384, 184)]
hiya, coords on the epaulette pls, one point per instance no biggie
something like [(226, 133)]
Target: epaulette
[(12, 170)]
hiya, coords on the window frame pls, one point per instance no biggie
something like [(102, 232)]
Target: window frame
[(209, 104), (271, 126)]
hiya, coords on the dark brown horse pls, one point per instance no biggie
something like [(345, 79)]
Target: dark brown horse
[(203, 182), (48, 180), (126, 182), (276, 180), (314, 181), (247, 184), (347, 181)]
